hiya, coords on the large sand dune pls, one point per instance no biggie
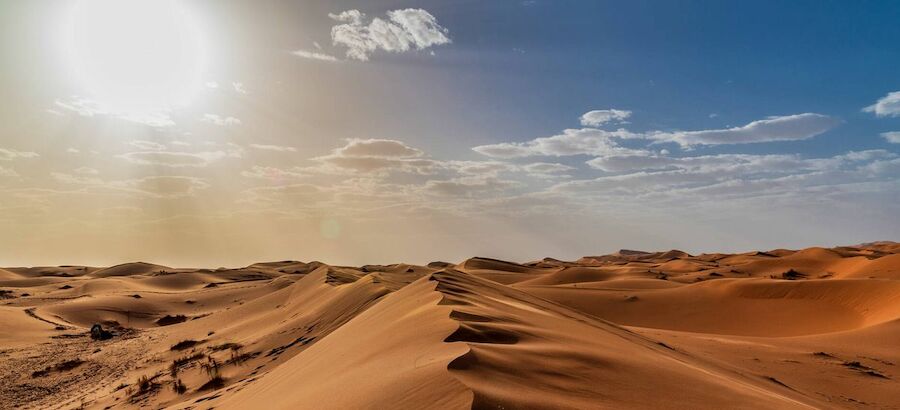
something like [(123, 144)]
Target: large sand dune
[(812, 328)]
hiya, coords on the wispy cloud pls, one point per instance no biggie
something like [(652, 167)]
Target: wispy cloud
[(266, 147), (176, 159), (8, 172), (783, 128), (87, 107), (584, 141), (11, 154), (314, 55), (147, 145), (272, 173), (597, 142), (221, 121)]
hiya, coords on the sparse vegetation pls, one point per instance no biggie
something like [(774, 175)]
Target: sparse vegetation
[(239, 358), (185, 344), (181, 361), (227, 345), (59, 367), (144, 385), (211, 367)]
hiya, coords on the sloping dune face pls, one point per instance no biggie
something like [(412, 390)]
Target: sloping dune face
[(813, 328)]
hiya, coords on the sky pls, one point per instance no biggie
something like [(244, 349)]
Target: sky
[(222, 133)]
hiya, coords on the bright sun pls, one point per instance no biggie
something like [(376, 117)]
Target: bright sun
[(135, 57)]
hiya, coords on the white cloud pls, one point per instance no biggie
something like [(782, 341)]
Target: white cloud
[(73, 150), (265, 147), (11, 154), (272, 173), (546, 169), (147, 145), (469, 186), (584, 141), (602, 143), (887, 106), (181, 159), (893, 137), (86, 107), (744, 164), (784, 128), (313, 55), (377, 148), (167, 159), (165, 186), (726, 176), (239, 87), (375, 155), (220, 121), (212, 84), (596, 118), (479, 168), (404, 30)]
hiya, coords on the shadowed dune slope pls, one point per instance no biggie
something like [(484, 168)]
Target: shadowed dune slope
[(390, 356)]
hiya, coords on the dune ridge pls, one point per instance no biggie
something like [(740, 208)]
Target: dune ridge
[(809, 328)]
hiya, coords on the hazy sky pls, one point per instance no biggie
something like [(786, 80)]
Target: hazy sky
[(210, 133)]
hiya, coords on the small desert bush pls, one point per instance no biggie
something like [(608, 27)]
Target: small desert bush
[(178, 386), (211, 367), (144, 384)]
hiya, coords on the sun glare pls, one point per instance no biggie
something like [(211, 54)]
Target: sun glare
[(134, 57)]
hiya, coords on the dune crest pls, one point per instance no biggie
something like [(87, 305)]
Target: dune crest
[(813, 328)]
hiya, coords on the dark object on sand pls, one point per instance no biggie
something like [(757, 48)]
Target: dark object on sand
[(793, 275), (97, 333), (171, 320)]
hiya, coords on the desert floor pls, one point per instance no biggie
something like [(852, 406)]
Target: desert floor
[(815, 328)]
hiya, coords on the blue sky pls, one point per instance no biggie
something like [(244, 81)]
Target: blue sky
[(227, 132), (675, 63)]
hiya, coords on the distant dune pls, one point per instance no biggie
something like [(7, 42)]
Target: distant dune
[(811, 328)]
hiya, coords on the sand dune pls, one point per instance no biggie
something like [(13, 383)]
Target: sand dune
[(812, 328)]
